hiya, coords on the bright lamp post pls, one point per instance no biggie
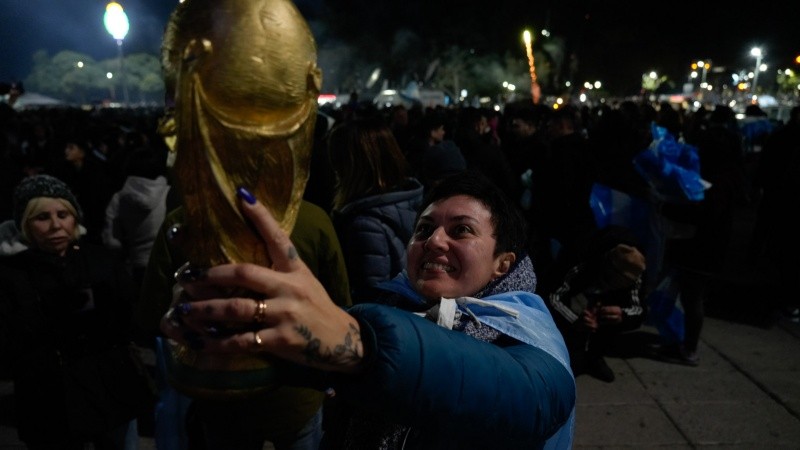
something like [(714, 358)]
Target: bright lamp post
[(703, 66), (756, 51), (116, 22)]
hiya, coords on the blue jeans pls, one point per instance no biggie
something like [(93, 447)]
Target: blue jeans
[(170, 411)]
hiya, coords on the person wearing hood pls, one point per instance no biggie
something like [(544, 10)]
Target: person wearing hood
[(375, 203), (65, 328), (135, 212), (459, 352)]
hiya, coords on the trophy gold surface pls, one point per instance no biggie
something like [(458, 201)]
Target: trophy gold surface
[(245, 83)]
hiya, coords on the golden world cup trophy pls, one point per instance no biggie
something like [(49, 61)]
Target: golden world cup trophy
[(245, 83)]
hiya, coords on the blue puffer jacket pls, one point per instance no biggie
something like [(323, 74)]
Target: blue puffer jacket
[(373, 232), (508, 394)]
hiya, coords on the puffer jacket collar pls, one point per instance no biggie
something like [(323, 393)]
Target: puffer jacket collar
[(397, 207)]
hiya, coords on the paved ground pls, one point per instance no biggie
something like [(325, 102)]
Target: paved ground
[(744, 395)]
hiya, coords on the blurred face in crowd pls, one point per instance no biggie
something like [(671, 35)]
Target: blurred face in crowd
[(50, 224), (451, 253), (73, 152), (559, 127), (522, 128), (482, 126), (400, 116), (437, 135)]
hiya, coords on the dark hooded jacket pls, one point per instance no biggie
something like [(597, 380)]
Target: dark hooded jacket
[(374, 232)]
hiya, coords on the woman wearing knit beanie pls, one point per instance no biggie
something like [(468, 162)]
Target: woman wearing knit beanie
[(65, 328), (47, 213)]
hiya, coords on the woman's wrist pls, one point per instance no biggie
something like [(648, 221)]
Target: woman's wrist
[(346, 353)]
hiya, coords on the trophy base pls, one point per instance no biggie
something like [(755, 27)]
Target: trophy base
[(217, 377)]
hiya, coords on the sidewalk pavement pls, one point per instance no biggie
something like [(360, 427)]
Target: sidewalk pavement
[(745, 394)]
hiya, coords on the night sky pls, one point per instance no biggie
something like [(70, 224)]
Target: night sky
[(613, 41)]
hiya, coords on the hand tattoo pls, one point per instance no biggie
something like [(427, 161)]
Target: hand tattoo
[(348, 353)]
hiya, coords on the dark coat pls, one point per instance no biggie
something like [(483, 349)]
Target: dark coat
[(374, 232), (721, 164), (507, 386), (57, 313), (574, 276), (454, 399)]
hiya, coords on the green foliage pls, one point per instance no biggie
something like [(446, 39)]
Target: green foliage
[(151, 86), (788, 82), (79, 75), (483, 75), (43, 77), (78, 78), (652, 84)]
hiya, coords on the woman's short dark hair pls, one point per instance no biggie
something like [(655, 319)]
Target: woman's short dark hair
[(508, 221)]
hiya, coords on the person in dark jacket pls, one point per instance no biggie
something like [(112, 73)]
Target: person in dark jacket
[(432, 155), (774, 236), (697, 259), (594, 291), (462, 354), (89, 181), (375, 203), (482, 152), (65, 329)]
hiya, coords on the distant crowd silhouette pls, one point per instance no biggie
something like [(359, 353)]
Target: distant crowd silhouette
[(371, 167)]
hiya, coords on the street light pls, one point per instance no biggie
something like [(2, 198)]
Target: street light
[(705, 65), (756, 51), (116, 22)]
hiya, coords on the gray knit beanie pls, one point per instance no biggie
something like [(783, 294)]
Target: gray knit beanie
[(41, 186)]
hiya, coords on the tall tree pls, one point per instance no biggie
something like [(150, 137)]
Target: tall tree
[(76, 77)]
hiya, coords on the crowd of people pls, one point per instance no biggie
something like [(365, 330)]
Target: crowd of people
[(430, 241)]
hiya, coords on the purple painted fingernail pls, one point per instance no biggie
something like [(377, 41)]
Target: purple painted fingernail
[(245, 195), (184, 308)]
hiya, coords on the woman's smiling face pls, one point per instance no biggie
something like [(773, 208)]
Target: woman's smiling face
[(451, 253)]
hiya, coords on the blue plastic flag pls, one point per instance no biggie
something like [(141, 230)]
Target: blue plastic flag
[(671, 168)]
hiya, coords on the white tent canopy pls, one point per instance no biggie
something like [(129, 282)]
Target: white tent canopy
[(32, 100)]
